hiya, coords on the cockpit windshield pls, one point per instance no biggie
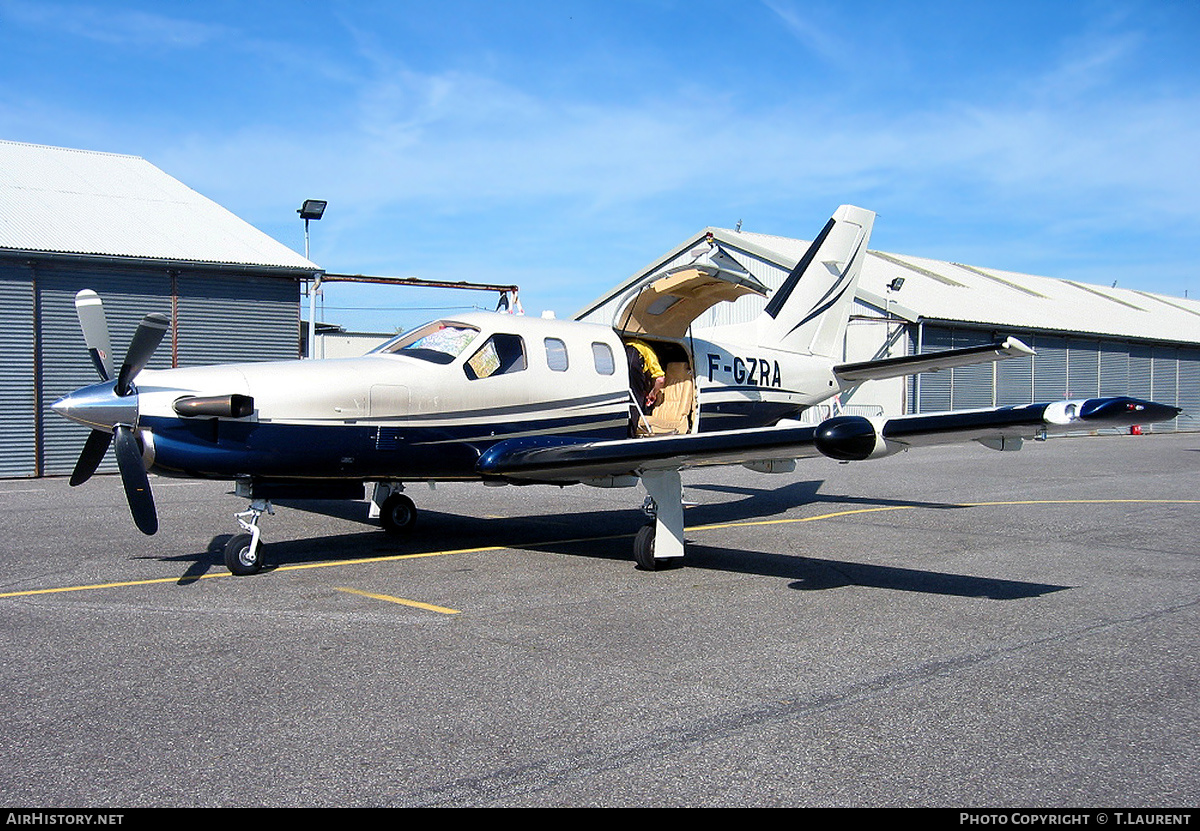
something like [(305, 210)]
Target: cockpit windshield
[(439, 342)]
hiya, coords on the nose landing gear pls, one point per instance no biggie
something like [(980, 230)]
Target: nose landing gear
[(244, 552)]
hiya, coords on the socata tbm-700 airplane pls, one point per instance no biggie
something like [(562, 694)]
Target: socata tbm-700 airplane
[(500, 399)]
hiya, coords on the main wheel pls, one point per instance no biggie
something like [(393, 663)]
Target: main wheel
[(643, 548), (397, 514), (238, 558)]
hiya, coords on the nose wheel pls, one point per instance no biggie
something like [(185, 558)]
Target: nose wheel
[(244, 552)]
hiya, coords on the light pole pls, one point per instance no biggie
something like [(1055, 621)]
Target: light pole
[(887, 312), (312, 209)]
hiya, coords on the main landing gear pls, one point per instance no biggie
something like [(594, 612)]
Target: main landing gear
[(659, 543), (396, 512)]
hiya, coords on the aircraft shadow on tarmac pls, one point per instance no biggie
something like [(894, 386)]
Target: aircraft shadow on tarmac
[(607, 534)]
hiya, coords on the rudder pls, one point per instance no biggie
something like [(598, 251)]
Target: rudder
[(808, 313)]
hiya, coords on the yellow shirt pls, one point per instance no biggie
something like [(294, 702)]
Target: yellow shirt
[(653, 367)]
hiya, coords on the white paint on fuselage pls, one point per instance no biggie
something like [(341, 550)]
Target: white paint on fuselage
[(395, 389), (390, 388)]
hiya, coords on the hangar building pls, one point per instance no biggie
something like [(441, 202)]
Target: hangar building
[(1090, 340), (72, 219)]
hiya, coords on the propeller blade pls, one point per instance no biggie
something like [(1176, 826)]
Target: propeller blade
[(145, 340), (135, 480), (90, 311), (93, 452)]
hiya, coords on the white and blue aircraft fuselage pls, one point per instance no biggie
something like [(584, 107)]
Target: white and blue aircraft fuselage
[(500, 398)]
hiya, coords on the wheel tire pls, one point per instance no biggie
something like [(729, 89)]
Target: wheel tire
[(397, 514), (643, 548), (237, 555)]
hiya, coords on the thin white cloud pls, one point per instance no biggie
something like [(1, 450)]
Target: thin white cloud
[(455, 139), (817, 39), (124, 27), (1064, 148)]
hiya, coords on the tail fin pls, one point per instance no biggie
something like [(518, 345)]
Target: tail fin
[(808, 313)]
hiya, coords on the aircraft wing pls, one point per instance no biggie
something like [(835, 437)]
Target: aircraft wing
[(845, 438), (931, 362)]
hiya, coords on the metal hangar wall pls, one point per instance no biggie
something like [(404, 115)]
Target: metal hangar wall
[(72, 219), (1090, 340)]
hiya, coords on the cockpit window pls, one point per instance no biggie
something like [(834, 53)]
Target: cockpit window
[(439, 342), (500, 355)]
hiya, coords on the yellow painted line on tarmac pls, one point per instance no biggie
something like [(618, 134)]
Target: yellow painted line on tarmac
[(489, 548), (791, 520), (1085, 502), (402, 601), (834, 515), (218, 574), (94, 586)]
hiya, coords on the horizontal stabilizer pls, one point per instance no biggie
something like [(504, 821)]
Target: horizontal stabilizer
[(931, 362)]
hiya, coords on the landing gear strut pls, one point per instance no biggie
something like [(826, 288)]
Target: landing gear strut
[(244, 552), (660, 543)]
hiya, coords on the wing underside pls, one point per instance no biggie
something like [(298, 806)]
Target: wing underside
[(846, 438)]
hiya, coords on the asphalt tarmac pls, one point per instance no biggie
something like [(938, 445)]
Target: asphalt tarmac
[(952, 627)]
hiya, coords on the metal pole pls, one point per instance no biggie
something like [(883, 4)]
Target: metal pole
[(312, 302)]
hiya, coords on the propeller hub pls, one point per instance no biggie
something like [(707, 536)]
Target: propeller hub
[(98, 407)]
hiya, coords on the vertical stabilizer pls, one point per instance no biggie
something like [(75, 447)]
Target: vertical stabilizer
[(809, 311)]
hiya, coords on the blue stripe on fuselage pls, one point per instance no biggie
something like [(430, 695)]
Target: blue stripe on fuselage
[(745, 415), (222, 449)]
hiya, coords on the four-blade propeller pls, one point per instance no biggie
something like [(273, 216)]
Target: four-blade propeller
[(110, 407)]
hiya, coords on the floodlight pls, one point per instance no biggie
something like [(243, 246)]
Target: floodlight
[(312, 209)]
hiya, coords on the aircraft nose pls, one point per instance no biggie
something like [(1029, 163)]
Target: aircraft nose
[(98, 406)]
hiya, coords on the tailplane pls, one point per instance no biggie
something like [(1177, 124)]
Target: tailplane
[(808, 313)]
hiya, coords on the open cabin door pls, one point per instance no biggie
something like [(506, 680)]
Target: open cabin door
[(659, 315), (666, 305)]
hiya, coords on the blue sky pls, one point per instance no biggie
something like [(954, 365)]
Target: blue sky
[(564, 145)]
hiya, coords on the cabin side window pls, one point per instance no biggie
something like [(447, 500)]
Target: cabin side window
[(556, 354), (501, 354), (602, 354)]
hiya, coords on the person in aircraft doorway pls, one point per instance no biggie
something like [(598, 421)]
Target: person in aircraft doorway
[(646, 376)]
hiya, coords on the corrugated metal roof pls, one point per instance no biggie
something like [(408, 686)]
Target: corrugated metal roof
[(64, 201), (937, 290)]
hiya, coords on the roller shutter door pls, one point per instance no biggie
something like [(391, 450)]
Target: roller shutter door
[(1050, 369), (1114, 369), (226, 319), (65, 365), (1014, 379), (973, 387), (1165, 382), (1083, 368), (1141, 371), (18, 394), (1189, 390), (932, 389)]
